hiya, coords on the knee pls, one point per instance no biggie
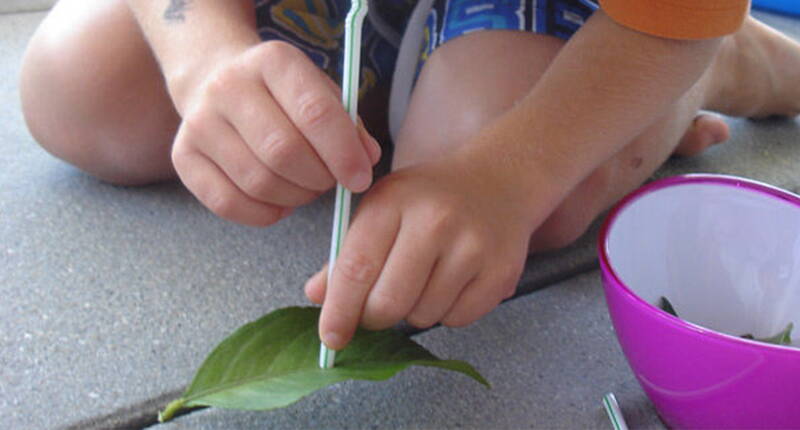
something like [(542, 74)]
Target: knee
[(64, 91), (45, 84), (575, 215), (561, 229)]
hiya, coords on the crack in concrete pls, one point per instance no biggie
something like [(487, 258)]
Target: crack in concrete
[(136, 416), (145, 414), (23, 11)]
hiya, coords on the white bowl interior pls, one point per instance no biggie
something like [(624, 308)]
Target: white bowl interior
[(726, 257)]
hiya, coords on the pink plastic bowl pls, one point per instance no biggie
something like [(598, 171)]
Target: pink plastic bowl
[(726, 252)]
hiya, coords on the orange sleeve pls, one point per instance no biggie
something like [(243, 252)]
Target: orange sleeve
[(679, 19)]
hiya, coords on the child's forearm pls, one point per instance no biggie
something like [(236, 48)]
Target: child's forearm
[(603, 89), (189, 36)]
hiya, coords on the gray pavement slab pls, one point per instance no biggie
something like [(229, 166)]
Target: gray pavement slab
[(107, 292), (550, 357), (112, 296), (17, 6)]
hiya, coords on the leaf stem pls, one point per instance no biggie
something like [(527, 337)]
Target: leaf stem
[(169, 412)]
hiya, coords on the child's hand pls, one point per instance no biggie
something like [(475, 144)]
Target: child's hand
[(266, 132), (438, 242)]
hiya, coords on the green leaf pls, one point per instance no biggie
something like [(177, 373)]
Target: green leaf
[(273, 362), (666, 306), (782, 338)]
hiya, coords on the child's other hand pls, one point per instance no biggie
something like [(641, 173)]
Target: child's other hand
[(437, 242), (266, 132)]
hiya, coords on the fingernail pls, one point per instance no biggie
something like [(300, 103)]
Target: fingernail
[(360, 182), (332, 340)]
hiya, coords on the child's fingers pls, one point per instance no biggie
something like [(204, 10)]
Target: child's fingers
[(475, 301), (210, 185), (403, 277), (482, 295), (254, 179), (371, 145), (453, 272), (316, 285), (273, 139), (300, 89), (356, 269)]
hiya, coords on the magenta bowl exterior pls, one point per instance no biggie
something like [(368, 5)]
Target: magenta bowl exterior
[(696, 377)]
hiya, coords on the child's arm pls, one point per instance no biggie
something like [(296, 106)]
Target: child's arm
[(263, 128), (189, 38), (603, 89), (446, 241)]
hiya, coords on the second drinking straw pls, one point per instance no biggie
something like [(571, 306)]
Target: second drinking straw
[(350, 83)]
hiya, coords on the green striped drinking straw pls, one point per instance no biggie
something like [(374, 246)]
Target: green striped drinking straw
[(350, 82), (614, 412)]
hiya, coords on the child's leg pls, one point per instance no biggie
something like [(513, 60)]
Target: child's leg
[(93, 95), (756, 73), (459, 92), (485, 89)]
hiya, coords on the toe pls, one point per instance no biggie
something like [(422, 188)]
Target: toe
[(706, 130)]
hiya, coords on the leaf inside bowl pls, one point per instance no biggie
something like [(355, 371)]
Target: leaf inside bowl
[(782, 338), (273, 362), (666, 306)]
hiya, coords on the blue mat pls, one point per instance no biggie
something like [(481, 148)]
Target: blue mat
[(786, 7)]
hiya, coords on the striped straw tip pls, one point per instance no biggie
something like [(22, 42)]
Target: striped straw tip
[(614, 412)]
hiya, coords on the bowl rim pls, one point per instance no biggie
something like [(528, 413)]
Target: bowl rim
[(672, 181)]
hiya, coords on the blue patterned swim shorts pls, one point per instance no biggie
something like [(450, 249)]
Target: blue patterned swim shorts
[(317, 26)]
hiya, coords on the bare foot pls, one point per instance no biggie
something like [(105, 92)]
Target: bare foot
[(706, 130), (756, 73)]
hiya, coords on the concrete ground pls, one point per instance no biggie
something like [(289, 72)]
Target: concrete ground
[(111, 297)]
